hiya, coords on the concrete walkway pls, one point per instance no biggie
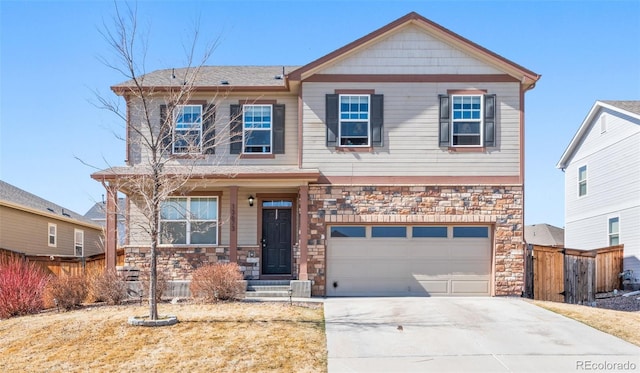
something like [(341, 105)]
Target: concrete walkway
[(465, 335)]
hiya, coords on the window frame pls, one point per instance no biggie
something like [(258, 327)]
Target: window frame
[(177, 111), (583, 181), (189, 221), (54, 235), (244, 129), (351, 120), (610, 233), (77, 244), (479, 120)]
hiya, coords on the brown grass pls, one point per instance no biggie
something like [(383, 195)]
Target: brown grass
[(225, 337), (624, 325)]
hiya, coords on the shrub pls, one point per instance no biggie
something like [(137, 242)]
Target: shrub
[(108, 287), (22, 287), (66, 292), (161, 284), (217, 282)]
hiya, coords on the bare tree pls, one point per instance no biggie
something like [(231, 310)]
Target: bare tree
[(154, 174)]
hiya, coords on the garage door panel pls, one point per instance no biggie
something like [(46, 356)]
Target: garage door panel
[(408, 266)]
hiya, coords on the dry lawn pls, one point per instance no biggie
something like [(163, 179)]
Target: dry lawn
[(225, 337), (624, 325)]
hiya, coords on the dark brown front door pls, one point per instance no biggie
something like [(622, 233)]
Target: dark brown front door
[(276, 241)]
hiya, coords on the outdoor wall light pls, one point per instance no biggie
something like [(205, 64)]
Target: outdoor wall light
[(251, 200)]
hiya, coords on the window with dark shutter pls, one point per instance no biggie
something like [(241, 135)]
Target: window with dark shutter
[(444, 130), (236, 129), (208, 130), (377, 122), (278, 129), (467, 120), (332, 119), (490, 120), (166, 134)]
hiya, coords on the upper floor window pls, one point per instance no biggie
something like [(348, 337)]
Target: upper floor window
[(187, 129), (187, 134), (582, 181), (354, 120), (52, 235), (78, 242), (189, 221), (257, 126), (467, 120), (614, 231)]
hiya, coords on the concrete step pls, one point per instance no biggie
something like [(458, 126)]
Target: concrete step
[(268, 288), (267, 294)]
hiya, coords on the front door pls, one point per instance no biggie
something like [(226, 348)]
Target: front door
[(276, 241)]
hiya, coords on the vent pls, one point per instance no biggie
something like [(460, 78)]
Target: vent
[(278, 77), (224, 82)]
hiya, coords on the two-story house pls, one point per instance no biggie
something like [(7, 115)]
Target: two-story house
[(602, 181), (33, 226), (391, 166)]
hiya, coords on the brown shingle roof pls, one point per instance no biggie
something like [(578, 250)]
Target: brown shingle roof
[(214, 76), (630, 106)]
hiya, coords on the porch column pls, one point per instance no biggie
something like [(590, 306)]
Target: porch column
[(111, 233), (304, 232), (233, 220)]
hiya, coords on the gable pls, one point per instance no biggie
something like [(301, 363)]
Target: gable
[(606, 126), (409, 50)]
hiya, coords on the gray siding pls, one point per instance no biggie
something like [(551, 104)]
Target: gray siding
[(613, 187), (411, 133)]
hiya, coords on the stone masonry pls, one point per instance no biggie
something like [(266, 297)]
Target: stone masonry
[(501, 207)]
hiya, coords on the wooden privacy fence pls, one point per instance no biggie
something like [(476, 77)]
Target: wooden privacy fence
[(59, 266), (571, 276)]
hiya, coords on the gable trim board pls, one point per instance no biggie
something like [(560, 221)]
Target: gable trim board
[(584, 128)]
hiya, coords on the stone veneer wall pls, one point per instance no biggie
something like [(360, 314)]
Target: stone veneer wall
[(500, 206), (179, 263)]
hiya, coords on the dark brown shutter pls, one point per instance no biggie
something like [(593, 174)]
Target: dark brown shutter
[(445, 121), (489, 120), (236, 129), (165, 139), (332, 119), (208, 129), (278, 129), (377, 122)]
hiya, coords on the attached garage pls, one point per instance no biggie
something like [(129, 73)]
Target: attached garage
[(392, 260)]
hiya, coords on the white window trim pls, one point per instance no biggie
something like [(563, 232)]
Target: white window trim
[(453, 120), (175, 129), (188, 221), (586, 181), (75, 241), (270, 129), (54, 235), (609, 233), (340, 96)]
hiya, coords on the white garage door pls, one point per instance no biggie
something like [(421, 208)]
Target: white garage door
[(408, 260)]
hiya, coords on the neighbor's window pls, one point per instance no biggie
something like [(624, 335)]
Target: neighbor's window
[(257, 134), (614, 231), (582, 181), (187, 136), (467, 120), (354, 120), (52, 234), (189, 221), (78, 242)]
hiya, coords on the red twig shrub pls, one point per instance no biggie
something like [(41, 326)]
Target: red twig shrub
[(217, 282), (22, 287), (108, 287), (66, 292)]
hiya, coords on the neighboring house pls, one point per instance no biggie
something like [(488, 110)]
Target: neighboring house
[(34, 226), (602, 181), (391, 166), (544, 235), (98, 214)]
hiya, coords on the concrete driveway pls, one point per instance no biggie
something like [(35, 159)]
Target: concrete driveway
[(465, 335)]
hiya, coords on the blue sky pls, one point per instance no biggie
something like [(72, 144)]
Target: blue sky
[(50, 68)]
